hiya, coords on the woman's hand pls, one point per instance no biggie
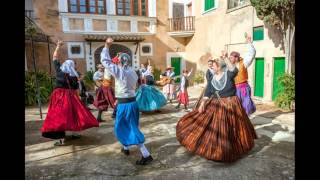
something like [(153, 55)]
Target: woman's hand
[(60, 43), (201, 107)]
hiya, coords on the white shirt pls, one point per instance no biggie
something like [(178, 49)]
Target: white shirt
[(97, 76), (249, 57), (183, 81), (125, 78)]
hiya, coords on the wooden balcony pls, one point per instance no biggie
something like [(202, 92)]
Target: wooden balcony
[(181, 27)]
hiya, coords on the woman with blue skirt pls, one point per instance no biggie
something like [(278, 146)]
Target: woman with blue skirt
[(127, 117), (148, 97)]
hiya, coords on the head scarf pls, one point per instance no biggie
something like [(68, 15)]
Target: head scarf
[(68, 67), (125, 60)]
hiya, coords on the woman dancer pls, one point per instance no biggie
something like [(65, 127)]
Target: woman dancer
[(183, 93), (148, 97), (241, 80), (220, 129), (66, 112)]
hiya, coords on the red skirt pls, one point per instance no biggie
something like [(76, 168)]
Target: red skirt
[(183, 97), (104, 98), (67, 113)]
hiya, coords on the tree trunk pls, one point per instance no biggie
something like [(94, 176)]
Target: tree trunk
[(289, 48), (292, 50)]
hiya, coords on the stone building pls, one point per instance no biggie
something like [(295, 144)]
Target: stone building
[(180, 33)]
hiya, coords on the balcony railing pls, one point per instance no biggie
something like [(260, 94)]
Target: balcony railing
[(181, 24)]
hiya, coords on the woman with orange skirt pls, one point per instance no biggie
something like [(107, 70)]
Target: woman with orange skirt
[(219, 129)]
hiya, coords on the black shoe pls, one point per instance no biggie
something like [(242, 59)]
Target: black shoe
[(144, 161), (177, 107), (125, 151)]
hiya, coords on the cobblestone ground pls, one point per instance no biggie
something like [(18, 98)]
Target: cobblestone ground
[(96, 155)]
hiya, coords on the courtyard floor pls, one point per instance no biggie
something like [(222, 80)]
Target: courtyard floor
[(96, 155)]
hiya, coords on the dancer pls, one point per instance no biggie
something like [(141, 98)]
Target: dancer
[(148, 97), (66, 112), (127, 119), (183, 93), (169, 87), (99, 101), (220, 129), (209, 75), (107, 87), (241, 80)]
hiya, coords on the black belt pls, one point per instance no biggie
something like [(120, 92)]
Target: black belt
[(126, 100)]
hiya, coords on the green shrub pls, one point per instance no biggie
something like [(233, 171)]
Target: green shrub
[(286, 96), (198, 77), (88, 80), (45, 87), (156, 74)]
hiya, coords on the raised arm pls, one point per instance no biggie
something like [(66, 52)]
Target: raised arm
[(55, 58), (248, 59), (56, 52), (107, 62), (190, 72)]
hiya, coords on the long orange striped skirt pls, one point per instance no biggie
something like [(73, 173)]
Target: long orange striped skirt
[(222, 133)]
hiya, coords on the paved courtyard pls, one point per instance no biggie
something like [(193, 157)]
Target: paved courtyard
[(96, 155)]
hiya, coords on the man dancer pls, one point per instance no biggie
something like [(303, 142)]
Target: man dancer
[(127, 118)]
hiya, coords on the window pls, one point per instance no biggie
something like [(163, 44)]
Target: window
[(258, 33), (87, 6), (236, 3), (132, 7), (209, 4), (123, 7), (75, 50), (146, 49)]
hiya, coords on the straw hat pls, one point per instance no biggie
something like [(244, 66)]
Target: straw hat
[(100, 66), (169, 67)]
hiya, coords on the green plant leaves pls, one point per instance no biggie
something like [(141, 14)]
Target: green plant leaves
[(286, 96), (45, 87)]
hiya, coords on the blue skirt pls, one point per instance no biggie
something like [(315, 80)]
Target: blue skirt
[(150, 98), (127, 124)]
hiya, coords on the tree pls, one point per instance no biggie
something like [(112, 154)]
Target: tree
[(280, 14)]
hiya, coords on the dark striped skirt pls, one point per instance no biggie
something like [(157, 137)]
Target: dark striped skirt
[(222, 133), (104, 98)]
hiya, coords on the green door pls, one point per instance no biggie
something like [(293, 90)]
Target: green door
[(259, 77), (278, 69), (176, 64)]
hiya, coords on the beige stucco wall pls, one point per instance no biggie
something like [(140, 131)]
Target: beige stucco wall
[(219, 29), (51, 24), (162, 43), (99, 25)]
